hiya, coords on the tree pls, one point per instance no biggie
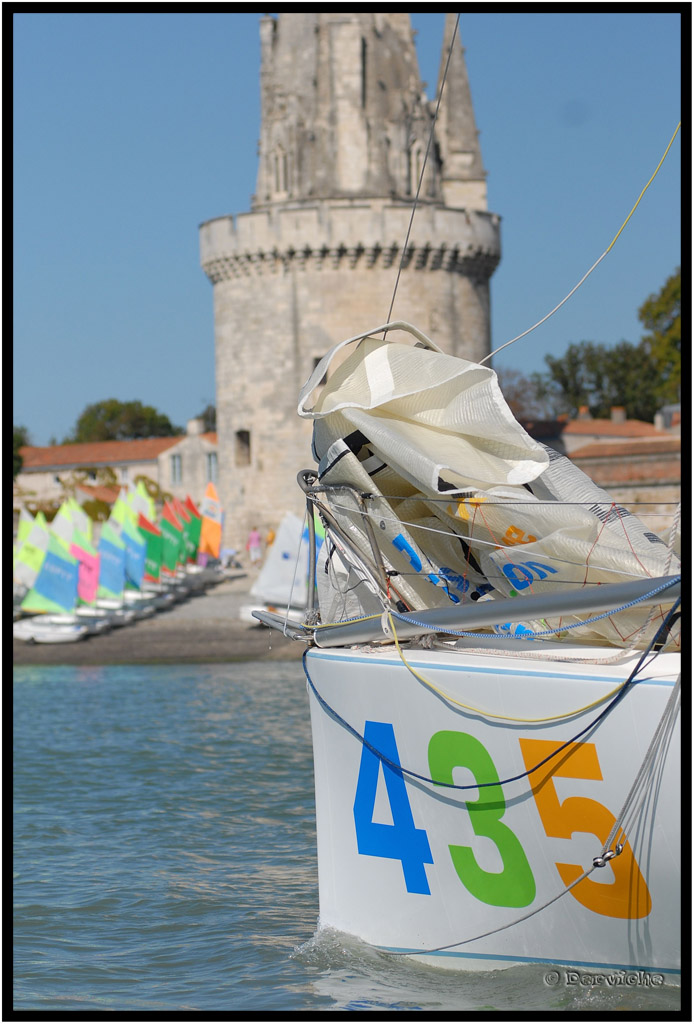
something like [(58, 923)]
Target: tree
[(600, 377), (20, 437), (111, 420), (528, 398), (208, 417), (661, 316), (641, 378)]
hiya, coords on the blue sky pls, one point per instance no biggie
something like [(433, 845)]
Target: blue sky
[(132, 129)]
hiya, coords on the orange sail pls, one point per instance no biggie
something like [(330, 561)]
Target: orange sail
[(211, 530)]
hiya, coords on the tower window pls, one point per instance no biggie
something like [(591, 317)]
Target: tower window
[(175, 468), (416, 164), (281, 175), (363, 73), (242, 448), (212, 467)]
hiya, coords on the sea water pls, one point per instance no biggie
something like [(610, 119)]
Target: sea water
[(165, 859)]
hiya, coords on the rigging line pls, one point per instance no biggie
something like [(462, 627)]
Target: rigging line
[(424, 164), (667, 720), (489, 714), (514, 778), (640, 788), (599, 259), (477, 540), (501, 928), (296, 567)]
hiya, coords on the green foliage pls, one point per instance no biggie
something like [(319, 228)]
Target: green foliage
[(153, 489), (661, 316), (641, 378), (528, 398), (599, 377), (20, 437), (104, 476), (209, 418), (97, 510), (112, 420)]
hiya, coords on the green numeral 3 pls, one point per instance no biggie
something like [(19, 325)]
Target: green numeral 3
[(514, 885)]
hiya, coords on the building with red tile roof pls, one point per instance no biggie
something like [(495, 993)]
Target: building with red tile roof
[(178, 465)]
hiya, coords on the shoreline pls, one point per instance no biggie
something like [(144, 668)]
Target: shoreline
[(204, 629)]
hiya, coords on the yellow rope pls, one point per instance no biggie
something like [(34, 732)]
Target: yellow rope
[(588, 272), (643, 190), (490, 714)]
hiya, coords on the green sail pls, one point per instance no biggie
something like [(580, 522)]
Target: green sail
[(29, 556), (154, 551), (24, 526)]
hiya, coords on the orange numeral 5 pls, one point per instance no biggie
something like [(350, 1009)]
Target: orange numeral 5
[(627, 896)]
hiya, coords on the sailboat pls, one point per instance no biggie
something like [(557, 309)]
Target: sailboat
[(52, 599), (496, 743), (492, 651), (282, 583)]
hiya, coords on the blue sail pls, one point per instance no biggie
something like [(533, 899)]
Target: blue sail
[(112, 563), (55, 587), (135, 551)]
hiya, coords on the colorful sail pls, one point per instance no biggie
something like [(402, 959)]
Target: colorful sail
[(111, 563), (55, 586), (26, 521), (152, 536), (186, 519), (30, 555), (173, 546), (83, 550), (63, 525), (120, 512), (194, 512), (135, 549), (140, 502), (211, 528), (80, 519)]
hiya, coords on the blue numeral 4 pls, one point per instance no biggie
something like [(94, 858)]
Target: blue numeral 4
[(401, 840)]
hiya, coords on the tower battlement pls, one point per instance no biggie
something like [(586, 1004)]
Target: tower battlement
[(350, 236)]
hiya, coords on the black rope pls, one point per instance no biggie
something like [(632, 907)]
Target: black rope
[(514, 778), (424, 164)]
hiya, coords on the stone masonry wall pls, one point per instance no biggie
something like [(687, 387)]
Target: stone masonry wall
[(280, 306)]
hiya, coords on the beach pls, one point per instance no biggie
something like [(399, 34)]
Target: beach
[(204, 628)]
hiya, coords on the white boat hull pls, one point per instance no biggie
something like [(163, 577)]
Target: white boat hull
[(424, 870), (43, 632)]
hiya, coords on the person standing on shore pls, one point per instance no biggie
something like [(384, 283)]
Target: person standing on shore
[(253, 546)]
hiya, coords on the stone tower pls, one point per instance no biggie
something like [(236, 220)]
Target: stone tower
[(344, 133)]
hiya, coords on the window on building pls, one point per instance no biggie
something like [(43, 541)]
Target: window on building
[(124, 473), (243, 448), (416, 164), (212, 467), (363, 73), (176, 469), (280, 170)]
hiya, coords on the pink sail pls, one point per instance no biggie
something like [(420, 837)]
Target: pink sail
[(88, 578)]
